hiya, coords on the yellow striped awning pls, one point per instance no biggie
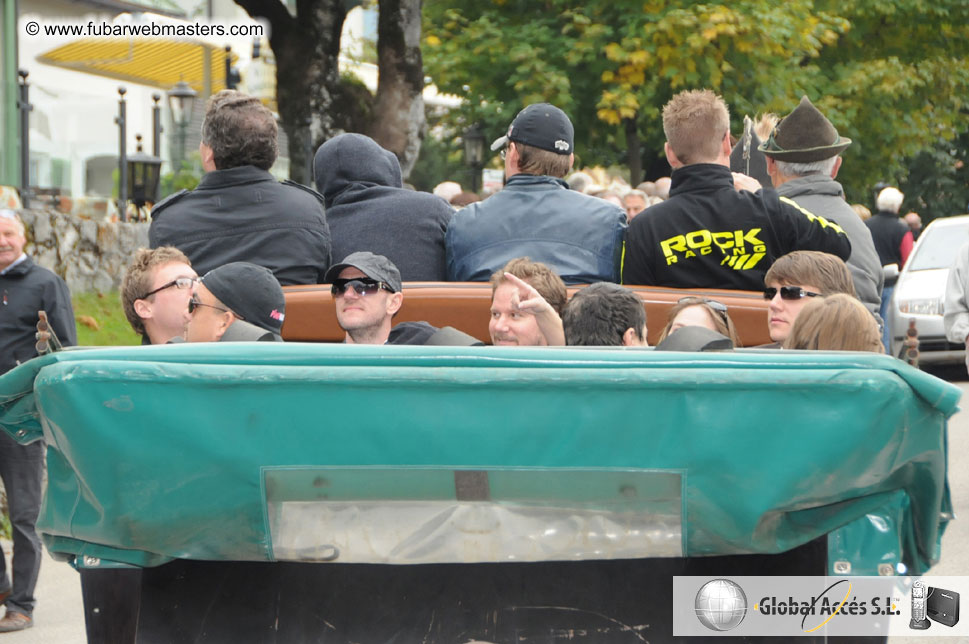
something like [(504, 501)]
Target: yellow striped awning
[(159, 62)]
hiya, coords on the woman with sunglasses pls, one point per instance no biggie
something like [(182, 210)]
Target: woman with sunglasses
[(701, 311), (795, 279)]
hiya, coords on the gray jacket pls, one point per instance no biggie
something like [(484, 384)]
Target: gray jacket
[(824, 196), (956, 303)]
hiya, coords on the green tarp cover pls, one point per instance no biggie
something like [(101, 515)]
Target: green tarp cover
[(165, 452)]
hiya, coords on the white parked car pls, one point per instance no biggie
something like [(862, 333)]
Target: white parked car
[(920, 291)]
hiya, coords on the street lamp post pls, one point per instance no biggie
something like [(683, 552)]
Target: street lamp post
[(143, 175), (156, 125), (121, 120), (24, 106), (474, 140), (181, 101)]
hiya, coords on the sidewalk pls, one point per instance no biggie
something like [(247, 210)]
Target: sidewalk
[(59, 616)]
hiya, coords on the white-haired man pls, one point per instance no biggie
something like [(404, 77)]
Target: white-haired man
[(803, 158), (893, 241)]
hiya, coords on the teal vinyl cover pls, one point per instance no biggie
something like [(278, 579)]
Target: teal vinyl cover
[(163, 452)]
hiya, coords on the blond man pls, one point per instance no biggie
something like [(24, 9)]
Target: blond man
[(717, 229)]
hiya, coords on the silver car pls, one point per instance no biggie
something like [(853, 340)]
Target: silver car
[(920, 291)]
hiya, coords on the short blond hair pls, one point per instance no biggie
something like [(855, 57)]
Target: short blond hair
[(137, 279), (695, 122), (837, 322)]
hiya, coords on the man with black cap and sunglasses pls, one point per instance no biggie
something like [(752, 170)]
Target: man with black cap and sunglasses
[(367, 293), (536, 215), (236, 302)]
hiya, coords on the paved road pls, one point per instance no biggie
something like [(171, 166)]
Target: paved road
[(59, 616)]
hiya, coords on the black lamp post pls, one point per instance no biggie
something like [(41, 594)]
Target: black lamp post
[(474, 141), (144, 171), (181, 101), (24, 106), (156, 125), (122, 122)]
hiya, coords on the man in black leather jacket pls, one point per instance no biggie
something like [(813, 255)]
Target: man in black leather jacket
[(239, 211), (717, 229), (536, 215)]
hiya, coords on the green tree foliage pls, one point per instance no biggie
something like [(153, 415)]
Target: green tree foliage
[(892, 75)]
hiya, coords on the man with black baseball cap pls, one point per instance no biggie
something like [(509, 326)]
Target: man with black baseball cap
[(236, 302), (367, 293), (536, 215)]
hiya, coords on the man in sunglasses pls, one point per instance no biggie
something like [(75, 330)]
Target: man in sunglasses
[(155, 292), (236, 302), (794, 279), (367, 295)]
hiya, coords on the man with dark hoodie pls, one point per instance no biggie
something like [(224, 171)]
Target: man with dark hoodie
[(369, 210)]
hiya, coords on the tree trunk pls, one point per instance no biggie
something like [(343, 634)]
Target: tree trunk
[(398, 118), (307, 50), (634, 153)]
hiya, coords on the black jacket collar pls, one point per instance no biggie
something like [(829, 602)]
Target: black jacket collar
[(233, 177)]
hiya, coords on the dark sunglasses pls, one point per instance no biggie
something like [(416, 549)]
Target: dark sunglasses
[(193, 304), (180, 283), (362, 286), (788, 293), (719, 307)]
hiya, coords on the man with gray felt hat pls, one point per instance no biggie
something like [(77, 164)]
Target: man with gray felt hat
[(803, 159)]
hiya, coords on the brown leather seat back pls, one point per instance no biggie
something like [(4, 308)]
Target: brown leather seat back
[(311, 317)]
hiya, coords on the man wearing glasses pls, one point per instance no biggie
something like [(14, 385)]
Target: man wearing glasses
[(795, 278), (25, 288), (155, 293), (367, 295), (236, 302)]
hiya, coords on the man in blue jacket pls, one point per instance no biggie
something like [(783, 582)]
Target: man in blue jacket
[(25, 289), (536, 215)]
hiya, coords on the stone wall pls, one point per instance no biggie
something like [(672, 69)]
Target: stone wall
[(90, 255)]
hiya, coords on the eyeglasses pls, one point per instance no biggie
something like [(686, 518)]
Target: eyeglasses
[(719, 307), (193, 304), (788, 293), (180, 283), (361, 286)]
